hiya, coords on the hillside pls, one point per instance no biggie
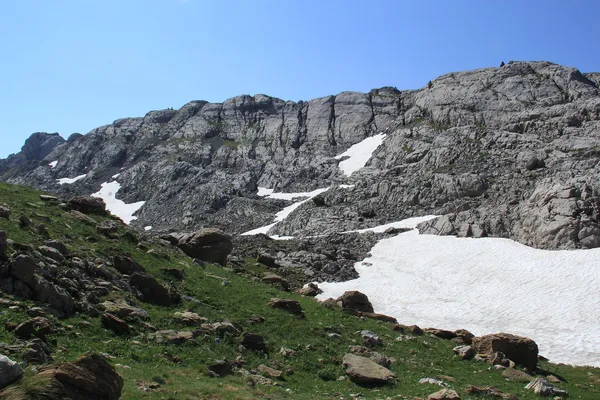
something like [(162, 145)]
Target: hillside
[(85, 264), (506, 152)]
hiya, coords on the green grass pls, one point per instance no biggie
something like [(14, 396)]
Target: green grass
[(312, 374)]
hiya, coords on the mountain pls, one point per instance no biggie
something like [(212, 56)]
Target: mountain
[(507, 152)]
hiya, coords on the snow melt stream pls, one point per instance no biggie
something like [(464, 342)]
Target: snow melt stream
[(117, 207), (359, 154), (486, 285)]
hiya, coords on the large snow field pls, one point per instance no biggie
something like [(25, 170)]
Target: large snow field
[(359, 154), (117, 207), (487, 285)]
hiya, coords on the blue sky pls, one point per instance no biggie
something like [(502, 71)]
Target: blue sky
[(72, 65)]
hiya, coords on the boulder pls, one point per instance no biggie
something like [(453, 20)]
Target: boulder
[(127, 265), (516, 375), (444, 394), (51, 253), (88, 205), (355, 301), (4, 212), (153, 292), (109, 228), (221, 367), (414, 329), (519, 349), (490, 392), (78, 215), (10, 371), (542, 387), (464, 352), (189, 318), (364, 371), (270, 372), (378, 317), (440, 333), (276, 280), (115, 324), (36, 327), (3, 245), (292, 306), (208, 244), (122, 309), (172, 337), (90, 377), (254, 342), (60, 246), (310, 290)]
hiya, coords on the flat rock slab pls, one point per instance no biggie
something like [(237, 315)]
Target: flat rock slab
[(363, 371)]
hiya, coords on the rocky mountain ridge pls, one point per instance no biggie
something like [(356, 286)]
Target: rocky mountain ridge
[(508, 152)]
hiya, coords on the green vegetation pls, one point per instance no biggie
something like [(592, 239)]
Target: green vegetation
[(314, 373)]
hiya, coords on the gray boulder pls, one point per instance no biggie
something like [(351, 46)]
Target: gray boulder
[(10, 371)]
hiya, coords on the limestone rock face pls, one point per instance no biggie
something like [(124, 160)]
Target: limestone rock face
[(505, 152)]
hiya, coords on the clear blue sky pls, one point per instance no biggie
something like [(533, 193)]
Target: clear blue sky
[(72, 65)]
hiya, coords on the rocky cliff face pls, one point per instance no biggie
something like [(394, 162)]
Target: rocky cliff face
[(510, 152)]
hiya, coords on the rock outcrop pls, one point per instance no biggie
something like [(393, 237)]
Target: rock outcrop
[(506, 152), (523, 351)]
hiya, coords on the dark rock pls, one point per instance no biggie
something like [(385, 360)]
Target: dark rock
[(90, 377), (464, 352), (378, 317), (209, 244), (252, 341), (292, 306), (127, 265), (38, 327), (414, 329), (115, 324), (51, 253), (221, 367), (4, 212), (109, 228), (88, 205), (355, 301), (152, 291), (440, 333), (60, 246), (3, 245)]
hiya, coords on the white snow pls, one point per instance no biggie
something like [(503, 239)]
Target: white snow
[(264, 191), (409, 223), (346, 186), (53, 164), (115, 176), (359, 154), (283, 214), (486, 285), (115, 206), (147, 228), (68, 181)]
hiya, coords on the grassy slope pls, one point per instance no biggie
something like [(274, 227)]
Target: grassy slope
[(311, 374)]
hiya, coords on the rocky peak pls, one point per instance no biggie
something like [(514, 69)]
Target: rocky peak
[(472, 145)]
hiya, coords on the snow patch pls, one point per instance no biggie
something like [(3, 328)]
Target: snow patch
[(264, 191), (115, 176), (117, 207), (486, 285), (68, 181), (347, 186), (147, 228), (359, 154), (283, 214), (53, 164), (409, 223)]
